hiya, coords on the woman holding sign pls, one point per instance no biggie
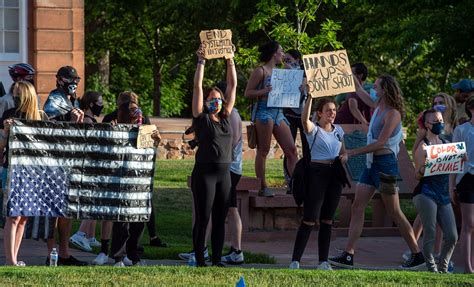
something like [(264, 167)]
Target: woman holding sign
[(463, 184), (383, 139), (269, 121), (211, 180), (431, 197)]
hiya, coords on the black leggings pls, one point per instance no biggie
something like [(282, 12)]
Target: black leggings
[(125, 237), (320, 202), (210, 185)]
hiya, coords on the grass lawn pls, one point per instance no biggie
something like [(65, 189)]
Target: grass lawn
[(187, 276)]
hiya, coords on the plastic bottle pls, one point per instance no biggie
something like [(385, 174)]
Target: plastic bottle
[(53, 258)]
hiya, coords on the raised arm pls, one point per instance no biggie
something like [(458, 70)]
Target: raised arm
[(363, 95), (305, 121), (354, 109), (256, 77), (197, 104), (231, 89)]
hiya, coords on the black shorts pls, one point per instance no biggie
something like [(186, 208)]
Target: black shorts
[(234, 180), (465, 189)]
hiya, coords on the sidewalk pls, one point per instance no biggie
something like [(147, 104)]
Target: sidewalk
[(373, 253)]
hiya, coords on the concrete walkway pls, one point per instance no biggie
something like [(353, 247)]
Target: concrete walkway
[(373, 253)]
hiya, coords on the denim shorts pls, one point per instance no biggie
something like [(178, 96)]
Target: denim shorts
[(386, 163), (264, 113)]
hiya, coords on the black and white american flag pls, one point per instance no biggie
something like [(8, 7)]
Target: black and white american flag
[(83, 171)]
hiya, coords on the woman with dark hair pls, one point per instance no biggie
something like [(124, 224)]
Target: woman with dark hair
[(211, 177), (383, 140), (432, 199), (462, 187), (126, 235), (325, 186), (269, 121)]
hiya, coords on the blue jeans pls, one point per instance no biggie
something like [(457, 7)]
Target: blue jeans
[(263, 113), (385, 163)]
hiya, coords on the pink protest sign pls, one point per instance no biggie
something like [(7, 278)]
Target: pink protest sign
[(444, 158)]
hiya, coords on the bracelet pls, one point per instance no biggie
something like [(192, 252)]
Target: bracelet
[(201, 62)]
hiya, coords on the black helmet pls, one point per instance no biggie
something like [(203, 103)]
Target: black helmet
[(21, 71)]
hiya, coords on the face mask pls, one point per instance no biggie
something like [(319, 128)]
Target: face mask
[(71, 89), (295, 66), (373, 95), (16, 101), (437, 128), (96, 110), (138, 115), (214, 105), (440, 108)]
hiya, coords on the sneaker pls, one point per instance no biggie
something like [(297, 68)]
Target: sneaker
[(119, 264), (450, 268), (294, 265), (324, 266), (219, 264), (344, 260), (415, 262), (158, 243), (93, 242), (139, 263), (127, 262), (80, 241), (101, 259), (71, 261), (192, 261), (406, 255), (20, 264), (185, 256), (234, 258), (266, 192)]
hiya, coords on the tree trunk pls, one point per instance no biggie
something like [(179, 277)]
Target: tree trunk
[(103, 66), (156, 89)]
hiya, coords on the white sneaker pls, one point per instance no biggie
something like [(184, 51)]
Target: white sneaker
[(186, 255), (79, 240), (119, 264), (295, 265), (233, 258), (127, 262), (324, 266), (101, 259), (94, 242)]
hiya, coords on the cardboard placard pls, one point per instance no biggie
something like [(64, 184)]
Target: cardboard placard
[(444, 158), (144, 139), (328, 73), (217, 43), (285, 91)]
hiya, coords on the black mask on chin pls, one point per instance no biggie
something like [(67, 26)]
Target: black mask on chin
[(96, 110), (17, 101)]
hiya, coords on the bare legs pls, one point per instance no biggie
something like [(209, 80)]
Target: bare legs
[(13, 234)]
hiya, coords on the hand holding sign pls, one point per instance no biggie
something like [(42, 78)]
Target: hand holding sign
[(148, 136), (444, 158), (217, 44), (328, 73)]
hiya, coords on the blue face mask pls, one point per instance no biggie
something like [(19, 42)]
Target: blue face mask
[(295, 66), (214, 105), (437, 128), (440, 108), (373, 95)]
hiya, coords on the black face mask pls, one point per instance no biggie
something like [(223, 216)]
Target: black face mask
[(96, 110), (17, 101)]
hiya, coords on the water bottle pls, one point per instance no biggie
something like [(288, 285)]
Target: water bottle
[(53, 258), (192, 261)]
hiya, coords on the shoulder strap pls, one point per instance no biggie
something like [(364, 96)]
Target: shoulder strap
[(253, 116)]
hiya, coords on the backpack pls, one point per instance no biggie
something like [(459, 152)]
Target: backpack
[(299, 180)]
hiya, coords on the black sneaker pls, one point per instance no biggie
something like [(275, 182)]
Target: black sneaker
[(158, 243), (416, 262), (47, 261), (71, 261), (232, 249), (344, 260)]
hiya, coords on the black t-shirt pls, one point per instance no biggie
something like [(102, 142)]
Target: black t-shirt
[(215, 140)]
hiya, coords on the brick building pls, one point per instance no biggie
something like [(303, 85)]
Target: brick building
[(47, 34)]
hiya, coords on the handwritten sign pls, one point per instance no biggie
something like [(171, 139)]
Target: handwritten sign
[(217, 43), (144, 139), (444, 158), (328, 73), (285, 91)]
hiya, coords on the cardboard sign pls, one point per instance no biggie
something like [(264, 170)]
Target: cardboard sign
[(144, 139), (444, 158), (217, 43), (328, 73), (285, 91)]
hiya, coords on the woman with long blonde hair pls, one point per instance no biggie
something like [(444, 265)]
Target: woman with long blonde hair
[(26, 107)]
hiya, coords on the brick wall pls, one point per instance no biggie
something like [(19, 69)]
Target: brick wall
[(56, 32)]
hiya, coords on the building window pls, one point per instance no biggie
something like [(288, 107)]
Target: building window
[(10, 30)]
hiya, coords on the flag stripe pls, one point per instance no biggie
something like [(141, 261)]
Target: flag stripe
[(127, 172), (88, 193), (102, 186), (109, 179), (109, 202), (47, 161), (77, 133), (71, 139)]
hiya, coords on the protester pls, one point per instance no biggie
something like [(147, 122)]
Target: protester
[(294, 60), (383, 139), (26, 107), (432, 199), (326, 145), (211, 181), (91, 104), (354, 110), (463, 90), (269, 120), (463, 185), (62, 105), (126, 235)]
